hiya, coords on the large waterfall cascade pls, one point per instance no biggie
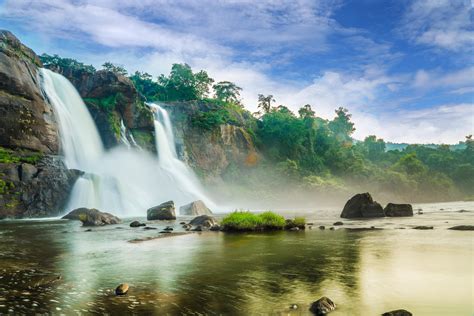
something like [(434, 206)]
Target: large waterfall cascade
[(124, 180)]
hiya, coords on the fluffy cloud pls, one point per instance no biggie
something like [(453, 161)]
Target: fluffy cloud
[(445, 24)]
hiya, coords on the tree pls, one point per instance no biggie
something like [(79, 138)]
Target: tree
[(203, 83), (341, 125), (114, 68), (374, 147), (306, 112), (265, 102), (227, 91)]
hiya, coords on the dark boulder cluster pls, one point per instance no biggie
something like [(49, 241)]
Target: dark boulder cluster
[(362, 205), (92, 217)]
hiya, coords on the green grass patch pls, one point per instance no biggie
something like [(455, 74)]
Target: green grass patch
[(10, 156), (246, 221)]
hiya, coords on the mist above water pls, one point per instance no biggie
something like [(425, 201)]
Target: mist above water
[(124, 180)]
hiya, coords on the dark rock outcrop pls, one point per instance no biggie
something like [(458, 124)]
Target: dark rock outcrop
[(362, 206), (398, 312), (195, 208), (164, 211), (37, 189), (205, 221), (322, 306), (92, 217), (33, 181), (398, 210), (463, 227), (26, 120)]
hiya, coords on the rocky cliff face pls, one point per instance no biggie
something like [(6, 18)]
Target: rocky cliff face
[(211, 153), (33, 180), (112, 98)]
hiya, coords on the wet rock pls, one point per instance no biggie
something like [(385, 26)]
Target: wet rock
[(195, 208), (27, 172), (187, 226), (197, 229), (182, 223), (423, 227), (420, 212), (165, 232), (291, 223), (164, 211), (362, 206), (92, 217), (293, 306), (361, 229), (149, 228), (338, 224), (215, 228), (331, 228), (294, 229), (137, 224), (462, 227), (398, 210), (168, 228), (322, 227), (463, 211), (322, 306), (205, 221), (122, 289), (398, 312)]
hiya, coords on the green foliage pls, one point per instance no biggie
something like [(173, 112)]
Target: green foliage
[(108, 103), (3, 187), (246, 221), (115, 68), (57, 61), (227, 91), (299, 221), (10, 156)]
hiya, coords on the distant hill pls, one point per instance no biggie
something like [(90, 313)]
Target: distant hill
[(401, 146)]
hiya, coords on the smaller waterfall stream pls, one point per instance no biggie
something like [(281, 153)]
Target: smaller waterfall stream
[(125, 181)]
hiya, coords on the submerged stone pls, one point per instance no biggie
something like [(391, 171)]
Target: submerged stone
[(137, 224), (205, 221), (322, 306), (462, 227), (122, 289), (423, 227), (398, 312)]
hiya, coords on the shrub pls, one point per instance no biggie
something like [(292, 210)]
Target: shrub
[(246, 221)]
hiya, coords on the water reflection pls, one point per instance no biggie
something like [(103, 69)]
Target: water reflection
[(245, 274)]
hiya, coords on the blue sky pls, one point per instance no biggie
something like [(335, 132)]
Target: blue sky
[(404, 69)]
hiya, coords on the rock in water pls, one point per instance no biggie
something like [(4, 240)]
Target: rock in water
[(423, 227), (463, 227), (338, 224), (122, 289), (398, 312), (164, 211), (205, 221), (136, 224), (92, 217), (322, 306), (396, 210), (195, 208), (362, 206)]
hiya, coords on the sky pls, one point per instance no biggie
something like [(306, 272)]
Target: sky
[(404, 69)]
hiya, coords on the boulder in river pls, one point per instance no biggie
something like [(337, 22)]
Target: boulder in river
[(122, 289), (205, 221), (164, 211), (463, 227), (362, 206), (396, 210), (398, 312), (92, 217), (137, 224), (338, 224), (322, 306), (195, 208)]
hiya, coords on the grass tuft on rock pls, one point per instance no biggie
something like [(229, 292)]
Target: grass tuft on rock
[(246, 221)]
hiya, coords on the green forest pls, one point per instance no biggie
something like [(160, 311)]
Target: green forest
[(306, 151)]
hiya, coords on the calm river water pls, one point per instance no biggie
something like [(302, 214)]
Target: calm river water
[(57, 266)]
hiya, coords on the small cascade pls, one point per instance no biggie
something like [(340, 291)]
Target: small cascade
[(124, 181), (123, 135)]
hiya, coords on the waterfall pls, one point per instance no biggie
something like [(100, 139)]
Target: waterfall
[(123, 181)]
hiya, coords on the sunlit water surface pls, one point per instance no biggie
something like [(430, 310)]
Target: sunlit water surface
[(428, 272)]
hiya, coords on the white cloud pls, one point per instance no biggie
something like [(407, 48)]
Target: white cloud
[(460, 79), (444, 24)]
